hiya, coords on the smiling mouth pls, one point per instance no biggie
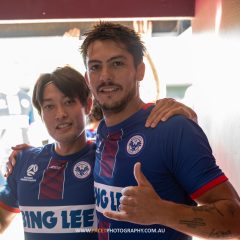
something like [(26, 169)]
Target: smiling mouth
[(108, 89), (63, 125)]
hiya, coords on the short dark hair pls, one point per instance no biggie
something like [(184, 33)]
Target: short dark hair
[(118, 33), (68, 80)]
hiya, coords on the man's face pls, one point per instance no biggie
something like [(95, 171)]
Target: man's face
[(63, 117), (112, 76)]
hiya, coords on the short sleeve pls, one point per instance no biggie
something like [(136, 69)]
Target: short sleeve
[(8, 193), (193, 163)]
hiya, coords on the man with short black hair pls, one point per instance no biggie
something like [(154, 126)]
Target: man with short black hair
[(184, 192)]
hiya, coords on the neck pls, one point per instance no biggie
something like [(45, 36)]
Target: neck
[(68, 148), (112, 118)]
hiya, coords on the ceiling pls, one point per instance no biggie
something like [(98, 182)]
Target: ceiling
[(76, 9)]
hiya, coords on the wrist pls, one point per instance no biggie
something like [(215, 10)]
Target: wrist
[(165, 213)]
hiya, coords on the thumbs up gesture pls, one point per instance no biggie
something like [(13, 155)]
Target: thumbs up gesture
[(139, 204)]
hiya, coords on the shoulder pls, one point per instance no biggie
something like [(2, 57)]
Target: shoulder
[(179, 127), (30, 156), (180, 122), (178, 119), (35, 151)]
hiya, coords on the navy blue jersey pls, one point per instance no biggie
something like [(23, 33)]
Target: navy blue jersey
[(175, 157), (54, 193)]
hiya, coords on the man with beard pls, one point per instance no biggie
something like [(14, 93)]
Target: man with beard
[(184, 192), (53, 185)]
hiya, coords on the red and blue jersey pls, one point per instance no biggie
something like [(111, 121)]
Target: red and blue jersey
[(175, 157), (54, 193)]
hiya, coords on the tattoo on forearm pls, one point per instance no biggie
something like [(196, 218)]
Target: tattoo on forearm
[(219, 234), (208, 208), (231, 210), (194, 223)]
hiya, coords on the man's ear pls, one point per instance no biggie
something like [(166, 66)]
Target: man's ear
[(140, 71), (88, 106)]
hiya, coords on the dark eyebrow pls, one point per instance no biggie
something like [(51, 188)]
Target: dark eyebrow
[(93, 61), (116, 57), (109, 60), (50, 99), (46, 100), (120, 57)]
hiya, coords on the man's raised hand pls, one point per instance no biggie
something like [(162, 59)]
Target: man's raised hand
[(138, 204)]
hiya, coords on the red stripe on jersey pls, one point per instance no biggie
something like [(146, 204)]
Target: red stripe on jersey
[(208, 186), (52, 184), (147, 105), (103, 232), (8, 208), (109, 153)]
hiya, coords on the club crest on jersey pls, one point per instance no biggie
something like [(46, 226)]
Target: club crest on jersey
[(135, 144), (82, 170)]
